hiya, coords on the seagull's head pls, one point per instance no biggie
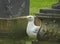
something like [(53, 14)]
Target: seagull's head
[(30, 18)]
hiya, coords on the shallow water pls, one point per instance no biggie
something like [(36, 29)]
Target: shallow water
[(47, 42), (18, 41)]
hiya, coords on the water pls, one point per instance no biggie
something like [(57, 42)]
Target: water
[(18, 41), (48, 42)]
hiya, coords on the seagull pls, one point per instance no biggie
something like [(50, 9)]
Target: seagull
[(32, 29)]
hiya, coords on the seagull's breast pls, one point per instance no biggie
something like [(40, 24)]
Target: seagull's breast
[(30, 28)]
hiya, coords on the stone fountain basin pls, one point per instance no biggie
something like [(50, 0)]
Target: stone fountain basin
[(13, 27)]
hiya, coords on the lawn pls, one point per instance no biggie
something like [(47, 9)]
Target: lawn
[(35, 5)]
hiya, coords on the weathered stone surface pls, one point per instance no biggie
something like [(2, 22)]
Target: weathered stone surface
[(14, 8), (50, 11), (50, 30), (13, 27)]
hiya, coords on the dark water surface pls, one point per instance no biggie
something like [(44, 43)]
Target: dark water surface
[(48, 42), (18, 41)]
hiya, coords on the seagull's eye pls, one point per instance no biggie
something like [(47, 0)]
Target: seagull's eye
[(29, 17)]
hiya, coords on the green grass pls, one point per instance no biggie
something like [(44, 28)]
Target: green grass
[(35, 5)]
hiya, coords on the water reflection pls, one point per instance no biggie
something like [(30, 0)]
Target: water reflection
[(24, 41)]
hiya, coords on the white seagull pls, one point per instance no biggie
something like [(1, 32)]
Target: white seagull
[(32, 29)]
